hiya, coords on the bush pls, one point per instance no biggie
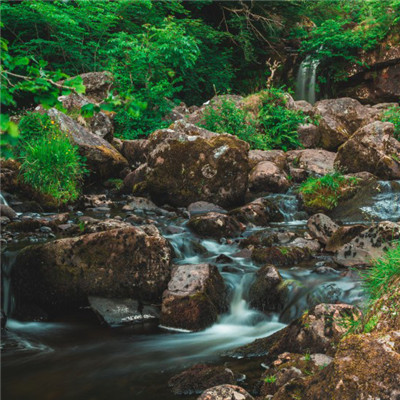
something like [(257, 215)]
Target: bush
[(32, 127), (325, 192), (228, 118), (279, 123), (264, 122), (393, 115), (53, 166)]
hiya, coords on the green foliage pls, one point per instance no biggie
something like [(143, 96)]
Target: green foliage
[(278, 122), (227, 117), (325, 192), (270, 379), (383, 271), (344, 28), (273, 127), (393, 115), (50, 163)]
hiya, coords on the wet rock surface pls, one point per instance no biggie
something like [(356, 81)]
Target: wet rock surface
[(199, 378), (61, 274), (195, 296), (225, 392), (215, 225)]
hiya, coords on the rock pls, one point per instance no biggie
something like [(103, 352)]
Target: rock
[(195, 296), (365, 367), (280, 255), (9, 171), (376, 79), (373, 149), (342, 236), (340, 118), (187, 163), (267, 177), (122, 311), (135, 151), (309, 135), (309, 162), (7, 211), (101, 158), (321, 227), (101, 125), (215, 225), (203, 207), (140, 204), (135, 177), (97, 84), (200, 377), (312, 246), (259, 212), (225, 392), (60, 275), (317, 331), (268, 293), (278, 157), (369, 245), (304, 106)]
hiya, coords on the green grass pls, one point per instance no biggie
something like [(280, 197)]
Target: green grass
[(393, 115), (53, 167), (378, 278), (325, 192)]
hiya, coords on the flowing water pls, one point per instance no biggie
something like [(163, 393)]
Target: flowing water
[(76, 358), (306, 80)]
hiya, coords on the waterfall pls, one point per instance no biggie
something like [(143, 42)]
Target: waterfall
[(306, 80), (3, 200)]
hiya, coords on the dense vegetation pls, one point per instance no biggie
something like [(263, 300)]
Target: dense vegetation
[(163, 52), (324, 193)]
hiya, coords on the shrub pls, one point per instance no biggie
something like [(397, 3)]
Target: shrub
[(279, 123), (324, 193), (264, 122), (32, 127), (393, 115), (52, 166), (226, 117)]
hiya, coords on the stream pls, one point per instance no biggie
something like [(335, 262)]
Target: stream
[(77, 358)]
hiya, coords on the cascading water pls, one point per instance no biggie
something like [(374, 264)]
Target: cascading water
[(3, 200), (141, 358), (306, 80)]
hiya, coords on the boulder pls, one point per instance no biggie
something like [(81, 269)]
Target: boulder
[(225, 392), (373, 149), (267, 177), (259, 212), (309, 135), (7, 211), (195, 296), (343, 235), (203, 207), (369, 245), (200, 377), (281, 256), (135, 151), (305, 107), (268, 293), (102, 159), (340, 118), (278, 157), (116, 312), (309, 162), (317, 331), (97, 84), (187, 163), (215, 225), (126, 262), (321, 227), (364, 367)]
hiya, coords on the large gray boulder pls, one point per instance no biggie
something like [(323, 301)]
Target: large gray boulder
[(186, 163)]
